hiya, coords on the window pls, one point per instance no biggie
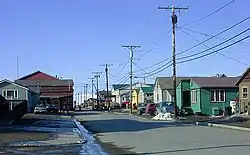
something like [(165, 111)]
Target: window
[(193, 96), (217, 95), (10, 94), (244, 92)]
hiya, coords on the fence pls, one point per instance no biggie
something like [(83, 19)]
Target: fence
[(13, 110)]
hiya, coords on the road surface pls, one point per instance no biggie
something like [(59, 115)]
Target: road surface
[(132, 134)]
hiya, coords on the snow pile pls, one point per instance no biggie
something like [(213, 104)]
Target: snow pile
[(238, 117), (163, 116)]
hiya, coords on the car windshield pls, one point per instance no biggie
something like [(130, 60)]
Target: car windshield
[(164, 104)]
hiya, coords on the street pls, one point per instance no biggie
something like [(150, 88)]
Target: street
[(127, 134)]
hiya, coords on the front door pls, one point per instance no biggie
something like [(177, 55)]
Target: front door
[(186, 99)]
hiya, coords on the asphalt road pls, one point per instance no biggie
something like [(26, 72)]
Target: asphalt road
[(143, 136)]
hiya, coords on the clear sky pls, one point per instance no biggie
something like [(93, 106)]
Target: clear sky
[(73, 38)]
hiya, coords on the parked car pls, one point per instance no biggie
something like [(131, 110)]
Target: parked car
[(151, 109), (141, 108), (52, 108), (164, 107), (40, 109)]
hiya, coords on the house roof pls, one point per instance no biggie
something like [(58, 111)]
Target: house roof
[(118, 86), (147, 89), (17, 84), (45, 76), (152, 85), (167, 82), (45, 82), (243, 76), (104, 92), (215, 81)]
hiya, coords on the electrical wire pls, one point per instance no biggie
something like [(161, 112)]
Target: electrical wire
[(156, 70), (210, 14), (148, 51), (159, 71), (215, 45), (209, 47), (214, 51), (196, 45), (209, 35)]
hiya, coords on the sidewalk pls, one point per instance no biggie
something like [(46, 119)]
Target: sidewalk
[(46, 134), (235, 122)]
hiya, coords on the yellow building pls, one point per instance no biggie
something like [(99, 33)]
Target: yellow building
[(135, 97)]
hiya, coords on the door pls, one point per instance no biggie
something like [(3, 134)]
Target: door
[(186, 101)]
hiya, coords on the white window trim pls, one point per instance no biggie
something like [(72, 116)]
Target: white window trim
[(192, 96), (6, 90), (219, 95), (245, 93)]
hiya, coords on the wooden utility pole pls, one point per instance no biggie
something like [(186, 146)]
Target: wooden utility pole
[(86, 93), (92, 87), (174, 22), (131, 48), (97, 76), (107, 82)]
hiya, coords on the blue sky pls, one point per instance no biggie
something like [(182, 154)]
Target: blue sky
[(72, 38)]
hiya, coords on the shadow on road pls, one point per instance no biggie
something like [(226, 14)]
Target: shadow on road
[(127, 125), (194, 149)]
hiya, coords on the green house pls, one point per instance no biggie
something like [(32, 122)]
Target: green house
[(207, 95)]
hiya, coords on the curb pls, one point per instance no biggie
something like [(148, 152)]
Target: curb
[(91, 146), (223, 126)]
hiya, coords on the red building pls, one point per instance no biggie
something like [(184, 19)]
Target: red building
[(48, 89)]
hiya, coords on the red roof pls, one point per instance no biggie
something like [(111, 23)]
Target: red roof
[(38, 75)]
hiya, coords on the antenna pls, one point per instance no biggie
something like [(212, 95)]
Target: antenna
[(17, 67)]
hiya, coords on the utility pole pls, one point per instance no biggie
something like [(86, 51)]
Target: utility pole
[(86, 92), (92, 87), (174, 22), (97, 76), (81, 99), (131, 48), (107, 83)]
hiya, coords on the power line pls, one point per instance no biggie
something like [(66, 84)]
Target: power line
[(155, 70), (209, 35), (210, 14), (214, 51), (196, 45), (209, 47), (150, 50), (159, 71), (114, 77), (215, 45)]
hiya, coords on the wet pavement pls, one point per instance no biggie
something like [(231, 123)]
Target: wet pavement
[(68, 136), (128, 134)]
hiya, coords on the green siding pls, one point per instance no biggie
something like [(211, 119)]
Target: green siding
[(196, 106), (208, 106), (179, 94), (182, 86)]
